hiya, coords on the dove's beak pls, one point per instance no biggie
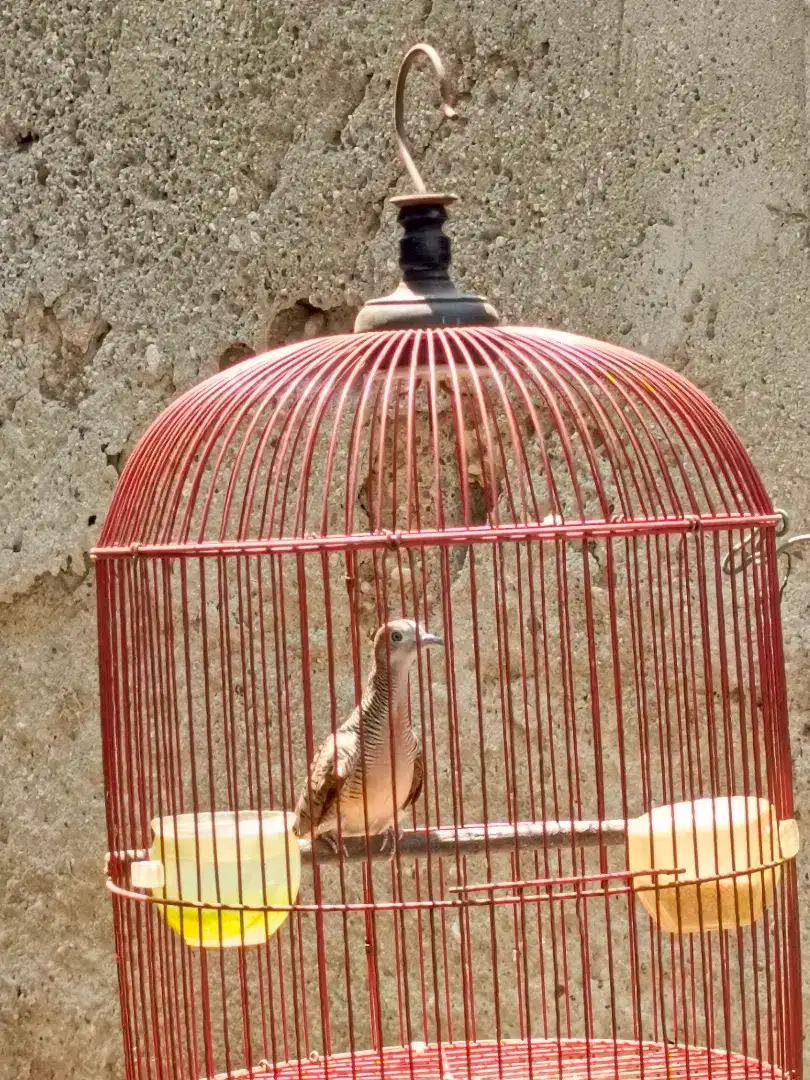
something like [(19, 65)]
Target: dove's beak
[(426, 639)]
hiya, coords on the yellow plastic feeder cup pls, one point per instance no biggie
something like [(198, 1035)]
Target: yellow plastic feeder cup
[(729, 852), (257, 864)]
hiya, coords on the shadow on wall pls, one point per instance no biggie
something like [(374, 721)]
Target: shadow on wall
[(299, 322)]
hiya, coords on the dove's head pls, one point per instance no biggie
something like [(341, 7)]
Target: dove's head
[(396, 643)]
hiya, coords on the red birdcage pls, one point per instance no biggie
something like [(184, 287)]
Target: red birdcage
[(594, 875)]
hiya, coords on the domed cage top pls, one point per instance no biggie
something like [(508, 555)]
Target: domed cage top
[(594, 874)]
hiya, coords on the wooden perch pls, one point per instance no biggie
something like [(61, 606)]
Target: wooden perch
[(476, 839), (446, 842)]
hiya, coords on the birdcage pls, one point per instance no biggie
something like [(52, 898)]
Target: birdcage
[(443, 707)]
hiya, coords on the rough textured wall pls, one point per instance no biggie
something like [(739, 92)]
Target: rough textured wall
[(185, 183)]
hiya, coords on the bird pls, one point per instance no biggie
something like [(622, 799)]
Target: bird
[(345, 766)]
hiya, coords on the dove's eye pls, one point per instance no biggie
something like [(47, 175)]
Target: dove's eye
[(396, 635)]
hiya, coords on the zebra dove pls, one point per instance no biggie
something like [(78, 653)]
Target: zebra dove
[(340, 771)]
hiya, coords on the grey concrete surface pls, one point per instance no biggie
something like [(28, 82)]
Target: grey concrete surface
[(185, 183)]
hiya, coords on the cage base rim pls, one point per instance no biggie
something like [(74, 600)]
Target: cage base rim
[(513, 1059)]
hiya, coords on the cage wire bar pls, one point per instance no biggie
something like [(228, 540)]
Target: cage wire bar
[(559, 510)]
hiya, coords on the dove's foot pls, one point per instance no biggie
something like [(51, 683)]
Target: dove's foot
[(389, 842), (335, 844)]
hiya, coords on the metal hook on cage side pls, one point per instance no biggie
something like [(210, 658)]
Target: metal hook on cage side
[(403, 145), (784, 550), (752, 555), (731, 564)]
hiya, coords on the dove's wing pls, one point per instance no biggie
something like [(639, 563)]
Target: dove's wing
[(418, 777), (334, 763)]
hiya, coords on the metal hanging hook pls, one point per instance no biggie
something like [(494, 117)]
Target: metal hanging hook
[(403, 145), (752, 554)]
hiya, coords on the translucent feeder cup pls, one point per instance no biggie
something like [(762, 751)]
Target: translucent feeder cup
[(257, 865), (729, 851)]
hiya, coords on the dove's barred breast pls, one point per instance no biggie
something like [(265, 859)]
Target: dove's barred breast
[(377, 775)]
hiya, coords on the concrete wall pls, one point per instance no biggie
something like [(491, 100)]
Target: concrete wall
[(184, 183)]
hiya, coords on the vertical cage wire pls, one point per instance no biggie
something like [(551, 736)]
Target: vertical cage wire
[(559, 511)]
